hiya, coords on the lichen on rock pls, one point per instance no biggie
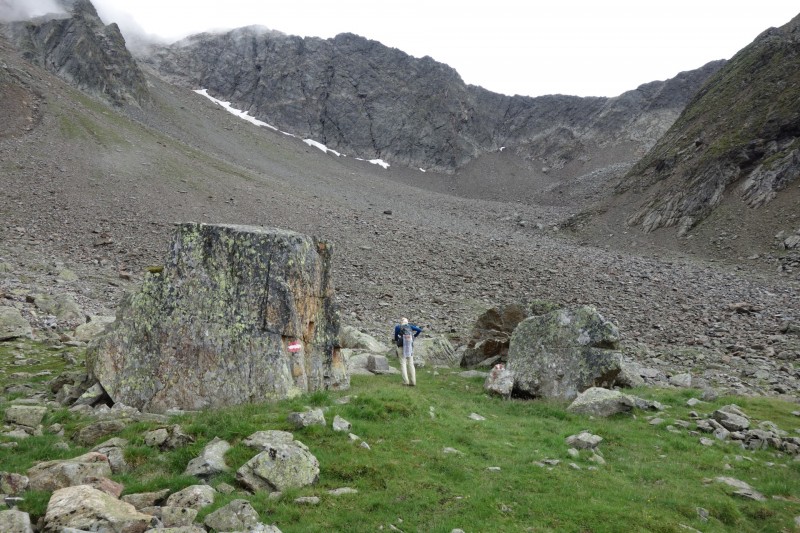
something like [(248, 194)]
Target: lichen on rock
[(213, 328)]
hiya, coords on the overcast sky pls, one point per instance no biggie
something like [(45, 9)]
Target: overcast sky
[(578, 47)]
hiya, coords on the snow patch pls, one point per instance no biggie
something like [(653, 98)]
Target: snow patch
[(312, 142), (233, 111)]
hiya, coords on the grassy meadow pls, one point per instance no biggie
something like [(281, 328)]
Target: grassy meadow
[(510, 472)]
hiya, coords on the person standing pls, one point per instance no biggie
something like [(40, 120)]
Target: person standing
[(404, 335)]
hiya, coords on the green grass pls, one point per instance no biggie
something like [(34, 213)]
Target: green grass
[(653, 480)]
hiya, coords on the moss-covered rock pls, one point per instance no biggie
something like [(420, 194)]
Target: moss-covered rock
[(213, 328)]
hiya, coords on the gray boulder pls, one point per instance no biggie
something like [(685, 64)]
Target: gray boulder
[(630, 375), (583, 441), (340, 424), (114, 450), (563, 353), (25, 415), (13, 324), (86, 508), (177, 516), (436, 351), (378, 364), (238, 515), (13, 483), (262, 440), (168, 438), (97, 430), (213, 328), (731, 419), (63, 306), (210, 461), (93, 328), (500, 381), (193, 497), (54, 475), (146, 499), (313, 417), (350, 337), (13, 521), (597, 401), (280, 467)]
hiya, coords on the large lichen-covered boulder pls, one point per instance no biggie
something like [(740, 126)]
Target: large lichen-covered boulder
[(214, 326), (563, 353)]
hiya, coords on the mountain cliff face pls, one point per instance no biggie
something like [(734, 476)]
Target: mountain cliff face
[(362, 98), (81, 49), (740, 135)]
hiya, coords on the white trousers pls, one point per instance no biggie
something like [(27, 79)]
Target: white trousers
[(407, 370)]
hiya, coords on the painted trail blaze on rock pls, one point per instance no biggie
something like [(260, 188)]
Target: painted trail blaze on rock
[(214, 327)]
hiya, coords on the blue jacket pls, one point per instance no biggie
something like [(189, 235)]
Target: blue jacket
[(398, 331)]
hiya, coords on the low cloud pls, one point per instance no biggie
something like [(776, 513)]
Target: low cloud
[(11, 10)]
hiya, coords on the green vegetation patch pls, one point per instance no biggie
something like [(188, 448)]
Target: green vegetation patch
[(430, 467)]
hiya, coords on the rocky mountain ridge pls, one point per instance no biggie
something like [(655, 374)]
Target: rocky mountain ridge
[(742, 129), (360, 97), (78, 47)]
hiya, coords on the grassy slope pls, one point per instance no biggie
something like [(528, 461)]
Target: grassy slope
[(653, 480)]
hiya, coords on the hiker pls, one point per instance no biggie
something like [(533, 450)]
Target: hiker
[(404, 334)]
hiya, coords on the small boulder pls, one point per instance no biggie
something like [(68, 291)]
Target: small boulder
[(731, 420), (280, 467), (350, 337), (210, 461), (584, 441), (193, 497), (14, 521), (378, 364), (13, 483), (238, 515), (114, 449), (262, 440), (85, 508), (435, 351), (340, 424), (54, 475), (500, 381), (95, 431), (177, 516), (93, 328), (597, 401), (307, 418), (12, 324), (25, 415)]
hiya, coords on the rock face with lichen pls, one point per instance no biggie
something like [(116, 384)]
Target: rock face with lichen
[(563, 353), (213, 327)]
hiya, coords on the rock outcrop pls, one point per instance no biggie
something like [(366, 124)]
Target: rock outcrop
[(214, 327), (563, 353), (82, 50)]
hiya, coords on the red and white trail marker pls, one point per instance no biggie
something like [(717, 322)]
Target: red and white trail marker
[(295, 346)]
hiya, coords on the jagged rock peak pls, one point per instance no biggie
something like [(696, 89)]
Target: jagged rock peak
[(82, 50)]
